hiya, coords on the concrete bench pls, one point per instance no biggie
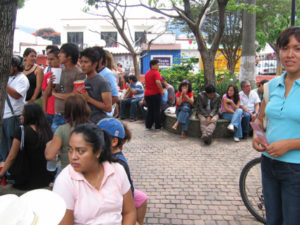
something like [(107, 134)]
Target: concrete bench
[(221, 130), (9, 189)]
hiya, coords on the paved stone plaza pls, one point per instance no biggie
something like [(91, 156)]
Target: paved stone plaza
[(187, 182)]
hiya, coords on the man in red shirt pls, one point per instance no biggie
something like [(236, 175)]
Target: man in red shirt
[(48, 102), (153, 92)]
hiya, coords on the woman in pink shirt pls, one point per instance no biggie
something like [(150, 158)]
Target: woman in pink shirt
[(231, 111), (96, 190)]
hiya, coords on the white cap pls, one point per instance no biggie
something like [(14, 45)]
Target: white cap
[(37, 207)]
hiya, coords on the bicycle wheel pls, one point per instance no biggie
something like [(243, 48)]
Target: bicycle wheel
[(251, 189)]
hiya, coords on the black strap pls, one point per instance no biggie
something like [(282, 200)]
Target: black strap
[(10, 106)]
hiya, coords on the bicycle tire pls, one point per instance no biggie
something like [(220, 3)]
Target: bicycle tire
[(253, 207)]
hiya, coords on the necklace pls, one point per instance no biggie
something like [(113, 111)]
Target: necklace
[(29, 68)]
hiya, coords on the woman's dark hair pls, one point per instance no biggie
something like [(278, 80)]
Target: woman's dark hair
[(284, 37), (72, 50), (34, 115), (92, 54), (17, 61), (236, 95), (97, 138), (28, 51), (110, 63), (128, 134), (133, 78), (183, 83), (77, 110)]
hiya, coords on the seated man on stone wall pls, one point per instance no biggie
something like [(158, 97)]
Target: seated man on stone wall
[(135, 92), (208, 104), (250, 104)]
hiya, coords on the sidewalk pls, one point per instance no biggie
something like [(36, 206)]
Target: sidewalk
[(187, 182)]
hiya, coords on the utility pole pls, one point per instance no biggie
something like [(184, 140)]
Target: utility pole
[(247, 69)]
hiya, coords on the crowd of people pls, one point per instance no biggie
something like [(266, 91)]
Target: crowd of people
[(73, 141)]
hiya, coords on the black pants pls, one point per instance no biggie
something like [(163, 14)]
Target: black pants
[(153, 113)]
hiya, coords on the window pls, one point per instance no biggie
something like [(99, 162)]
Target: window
[(139, 38), (76, 38), (110, 38)]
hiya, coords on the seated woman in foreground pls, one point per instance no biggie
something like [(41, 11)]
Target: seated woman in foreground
[(184, 106), (96, 190), (28, 168), (231, 111)]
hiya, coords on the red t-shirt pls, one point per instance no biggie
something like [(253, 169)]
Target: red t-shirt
[(189, 94), (150, 85), (50, 103)]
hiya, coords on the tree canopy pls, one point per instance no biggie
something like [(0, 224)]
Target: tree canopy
[(48, 33)]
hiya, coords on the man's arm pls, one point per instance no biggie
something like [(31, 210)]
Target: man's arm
[(158, 84), (105, 105), (200, 109), (216, 107), (245, 109), (62, 96)]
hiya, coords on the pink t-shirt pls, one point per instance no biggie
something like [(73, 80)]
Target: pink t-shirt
[(222, 105), (89, 205)]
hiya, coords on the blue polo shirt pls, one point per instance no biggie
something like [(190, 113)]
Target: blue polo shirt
[(283, 116), (111, 77)]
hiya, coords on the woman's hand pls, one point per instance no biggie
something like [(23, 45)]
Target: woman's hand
[(184, 90), (278, 148), (258, 144)]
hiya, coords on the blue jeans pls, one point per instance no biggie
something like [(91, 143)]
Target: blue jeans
[(246, 122), (8, 128), (49, 118), (57, 121), (183, 117), (134, 102), (236, 120), (281, 188)]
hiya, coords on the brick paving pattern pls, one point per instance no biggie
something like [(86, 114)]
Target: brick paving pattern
[(187, 182)]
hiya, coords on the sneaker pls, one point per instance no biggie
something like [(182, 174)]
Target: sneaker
[(236, 139), (230, 127), (207, 140)]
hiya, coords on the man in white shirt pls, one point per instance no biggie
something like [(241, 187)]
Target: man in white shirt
[(250, 105), (16, 89)]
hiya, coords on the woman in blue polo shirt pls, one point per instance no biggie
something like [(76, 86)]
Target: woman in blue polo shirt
[(281, 157)]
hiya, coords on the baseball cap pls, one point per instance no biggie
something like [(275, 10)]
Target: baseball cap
[(39, 207), (113, 127)]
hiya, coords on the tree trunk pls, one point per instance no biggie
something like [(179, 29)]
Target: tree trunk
[(230, 67), (231, 63), (247, 70), (8, 10), (136, 66), (208, 60)]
